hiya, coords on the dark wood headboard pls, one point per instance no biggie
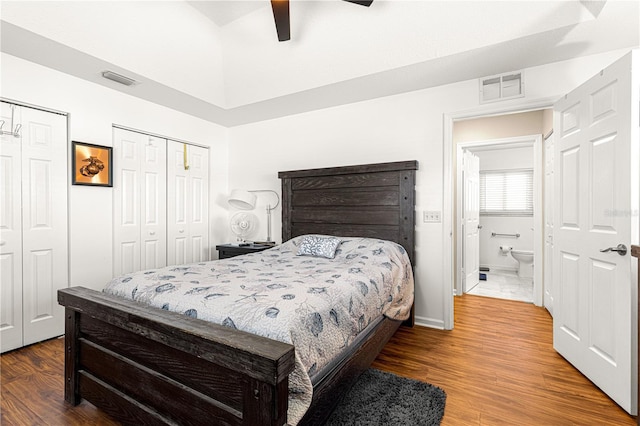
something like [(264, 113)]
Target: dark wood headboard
[(370, 200)]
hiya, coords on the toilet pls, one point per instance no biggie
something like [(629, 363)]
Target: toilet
[(525, 262)]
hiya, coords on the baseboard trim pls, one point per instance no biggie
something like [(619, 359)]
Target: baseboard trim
[(429, 322), (499, 268)]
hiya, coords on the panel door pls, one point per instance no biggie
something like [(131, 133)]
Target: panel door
[(10, 234), (596, 167), (153, 238), (187, 203), (44, 223), (548, 224), (139, 202), (471, 164), (199, 200), (126, 200)]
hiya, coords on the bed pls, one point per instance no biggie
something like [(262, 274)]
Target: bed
[(145, 365)]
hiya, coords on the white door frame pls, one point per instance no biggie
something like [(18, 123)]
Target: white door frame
[(534, 141), (448, 219)]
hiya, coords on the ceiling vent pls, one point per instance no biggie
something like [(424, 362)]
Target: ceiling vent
[(501, 87), (110, 75)]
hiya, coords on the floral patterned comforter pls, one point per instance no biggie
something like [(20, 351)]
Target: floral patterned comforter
[(319, 305)]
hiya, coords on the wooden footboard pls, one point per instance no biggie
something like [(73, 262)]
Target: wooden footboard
[(334, 386), (144, 365)]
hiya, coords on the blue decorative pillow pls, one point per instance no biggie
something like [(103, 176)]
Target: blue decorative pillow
[(319, 246)]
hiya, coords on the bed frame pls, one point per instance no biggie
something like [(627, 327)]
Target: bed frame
[(143, 365)]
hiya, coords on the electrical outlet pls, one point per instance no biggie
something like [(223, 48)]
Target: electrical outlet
[(430, 216)]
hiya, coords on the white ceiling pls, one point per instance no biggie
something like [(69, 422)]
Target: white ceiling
[(223, 12), (221, 61)]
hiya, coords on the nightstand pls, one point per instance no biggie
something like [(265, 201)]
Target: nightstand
[(226, 251)]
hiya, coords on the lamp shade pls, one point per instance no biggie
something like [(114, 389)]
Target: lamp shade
[(241, 199)]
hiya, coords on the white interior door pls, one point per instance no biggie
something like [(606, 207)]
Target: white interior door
[(33, 226), (596, 191), (139, 202), (187, 203), (126, 201), (471, 220), (199, 193), (10, 234), (548, 224), (44, 223), (153, 192)]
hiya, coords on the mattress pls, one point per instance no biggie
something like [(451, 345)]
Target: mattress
[(320, 305)]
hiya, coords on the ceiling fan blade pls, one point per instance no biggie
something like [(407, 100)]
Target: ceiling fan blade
[(281, 16), (361, 2)]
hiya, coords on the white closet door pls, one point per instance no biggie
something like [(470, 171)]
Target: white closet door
[(187, 203), (153, 237), (177, 205), (139, 202), (199, 223), (126, 201), (10, 235), (44, 223)]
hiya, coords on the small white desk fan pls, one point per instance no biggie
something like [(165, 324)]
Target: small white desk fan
[(246, 200), (243, 225)]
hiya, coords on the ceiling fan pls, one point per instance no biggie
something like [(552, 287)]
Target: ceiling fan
[(281, 16)]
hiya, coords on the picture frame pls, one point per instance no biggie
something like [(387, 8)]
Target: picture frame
[(91, 164)]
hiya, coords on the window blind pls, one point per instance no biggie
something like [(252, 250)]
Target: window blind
[(506, 192)]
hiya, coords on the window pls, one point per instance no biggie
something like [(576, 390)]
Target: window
[(506, 192)]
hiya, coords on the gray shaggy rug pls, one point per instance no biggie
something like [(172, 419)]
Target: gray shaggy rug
[(384, 399)]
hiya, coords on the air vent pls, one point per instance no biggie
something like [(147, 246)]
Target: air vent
[(118, 78), (501, 87)]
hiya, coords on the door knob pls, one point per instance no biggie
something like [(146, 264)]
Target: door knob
[(620, 248), (479, 226)]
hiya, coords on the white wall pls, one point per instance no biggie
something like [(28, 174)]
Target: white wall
[(93, 110), (402, 127), (490, 255), (499, 126)]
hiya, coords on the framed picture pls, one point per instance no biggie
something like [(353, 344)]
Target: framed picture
[(91, 164)]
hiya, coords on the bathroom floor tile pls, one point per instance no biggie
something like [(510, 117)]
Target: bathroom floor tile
[(505, 285)]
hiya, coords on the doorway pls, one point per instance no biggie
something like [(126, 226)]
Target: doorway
[(505, 220), (494, 112)]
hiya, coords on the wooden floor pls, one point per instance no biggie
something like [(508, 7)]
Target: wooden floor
[(497, 367)]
